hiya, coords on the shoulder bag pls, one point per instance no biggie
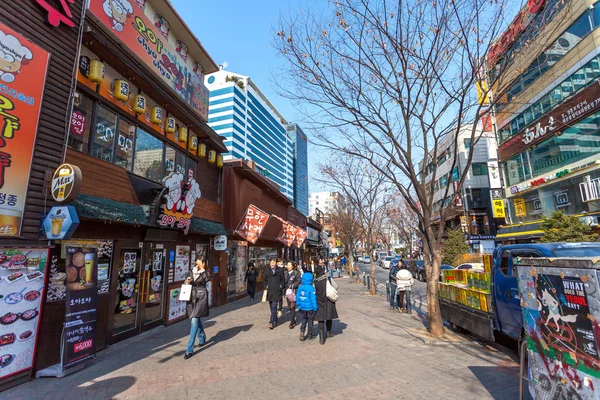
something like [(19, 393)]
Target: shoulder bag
[(185, 294)]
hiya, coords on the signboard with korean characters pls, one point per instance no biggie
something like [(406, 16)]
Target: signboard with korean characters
[(22, 79), (22, 276), (79, 335), (252, 224), (175, 206)]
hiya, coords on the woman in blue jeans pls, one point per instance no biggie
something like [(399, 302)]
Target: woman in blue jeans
[(198, 305)]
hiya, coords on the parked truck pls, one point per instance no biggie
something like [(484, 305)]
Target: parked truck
[(501, 312)]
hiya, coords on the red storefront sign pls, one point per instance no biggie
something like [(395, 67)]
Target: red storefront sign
[(578, 107), (55, 17), (253, 223), (300, 236), (288, 233)]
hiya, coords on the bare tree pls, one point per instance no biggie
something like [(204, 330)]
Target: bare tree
[(345, 221), (385, 81), (364, 189), (403, 220)]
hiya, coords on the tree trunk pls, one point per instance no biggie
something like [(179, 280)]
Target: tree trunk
[(436, 323), (372, 274)]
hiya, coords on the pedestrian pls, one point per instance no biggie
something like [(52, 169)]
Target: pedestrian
[(394, 268), (306, 299), (250, 279), (331, 267), (326, 310), (274, 282), (280, 264), (404, 281), (343, 261), (197, 307), (338, 266), (292, 281)]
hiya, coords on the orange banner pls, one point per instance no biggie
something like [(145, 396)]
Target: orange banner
[(23, 67), (253, 223), (288, 233), (130, 22), (300, 236)]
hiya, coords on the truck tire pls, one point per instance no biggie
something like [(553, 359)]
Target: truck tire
[(456, 328)]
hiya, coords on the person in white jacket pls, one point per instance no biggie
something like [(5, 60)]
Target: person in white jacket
[(404, 283)]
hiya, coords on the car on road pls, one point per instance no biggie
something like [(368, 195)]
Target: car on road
[(473, 266), (359, 259), (385, 263), (367, 259), (419, 270)]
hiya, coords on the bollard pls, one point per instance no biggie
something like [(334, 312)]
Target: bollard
[(369, 282), (364, 279), (387, 290), (408, 304)]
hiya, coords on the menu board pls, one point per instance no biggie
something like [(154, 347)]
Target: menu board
[(182, 263), (22, 275), (176, 307)]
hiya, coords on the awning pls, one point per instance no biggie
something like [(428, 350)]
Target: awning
[(520, 232), (205, 227), (98, 208)]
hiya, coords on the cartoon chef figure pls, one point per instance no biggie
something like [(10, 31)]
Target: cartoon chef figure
[(12, 57), (174, 183), (191, 196), (117, 10)]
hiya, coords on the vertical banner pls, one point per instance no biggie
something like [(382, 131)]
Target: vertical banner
[(79, 337), (253, 223), (288, 232), (300, 236), (23, 69)]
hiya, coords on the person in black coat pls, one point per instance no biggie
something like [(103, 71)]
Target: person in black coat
[(197, 307), (293, 279), (250, 279), (326, 311), (274, 282)]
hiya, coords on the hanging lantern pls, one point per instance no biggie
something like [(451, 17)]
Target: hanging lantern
[(139, 104), (193, 143), (220, 161), (170, 126), (212, 156), (121, 90), (156, 116), (96, 74), (201, 150), (182, 134)]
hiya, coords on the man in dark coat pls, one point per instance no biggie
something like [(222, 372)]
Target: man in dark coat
[(250, 279), (326, 311), (274, 282)]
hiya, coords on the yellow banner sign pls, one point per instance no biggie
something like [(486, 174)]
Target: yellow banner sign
[(498, 208), (520, 210)]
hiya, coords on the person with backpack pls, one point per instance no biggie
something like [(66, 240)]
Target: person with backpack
[(326, 309), (292, 281), (404, 282), (250, 279), (306, 299)]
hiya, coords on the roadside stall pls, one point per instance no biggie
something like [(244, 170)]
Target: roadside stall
[(560, 299)]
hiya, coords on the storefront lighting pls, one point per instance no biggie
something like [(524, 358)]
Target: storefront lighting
[(193, 143), (201, 150), (96, 74), (212, 156), (139, 104), (156, 116), (220, 161), (170, 127), (121, 90), (182, 134)]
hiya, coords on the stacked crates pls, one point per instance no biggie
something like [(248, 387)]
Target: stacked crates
[(467, 287)]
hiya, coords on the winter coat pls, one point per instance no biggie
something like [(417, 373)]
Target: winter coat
[(404, 280), (274, 283), (393, 271), (292, 280), (198, 305), (251, 276), (306, 297), (326, 309)]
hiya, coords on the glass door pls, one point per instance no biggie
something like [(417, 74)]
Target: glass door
[(153, 283), (126, 304)]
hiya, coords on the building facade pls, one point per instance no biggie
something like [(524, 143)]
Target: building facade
[(300, 143), (472, 211), (252, 127), (548, 118)]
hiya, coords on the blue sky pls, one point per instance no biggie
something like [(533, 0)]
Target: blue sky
[(240, 34)]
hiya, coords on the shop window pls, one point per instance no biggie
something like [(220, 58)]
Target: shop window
[(579, 79), (104, 134), (479, 169), (180, 163), (191, 169), (81, 121), (124, 144), (455, 174), (444, 181), (467, 142), (592, 69), (148, 156), (170, 155)]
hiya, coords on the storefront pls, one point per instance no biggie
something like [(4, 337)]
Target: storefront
[(313, 241), (39, 48)]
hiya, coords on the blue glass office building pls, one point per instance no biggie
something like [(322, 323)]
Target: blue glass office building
[(300, 167), (252, 127)]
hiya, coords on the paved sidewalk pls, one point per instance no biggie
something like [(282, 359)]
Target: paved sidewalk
[(373, 356)]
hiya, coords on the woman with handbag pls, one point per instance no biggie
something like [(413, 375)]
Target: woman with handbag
[(292, 281), (326, 311), (197, 306)]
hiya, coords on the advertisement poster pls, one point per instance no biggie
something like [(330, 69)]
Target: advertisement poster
[(252, 224), (560, 314), (140, 29), (176, 307), (176, 205), (79, 335), (22, 274), (182, 263), (127, 282), (21, 92), (61, 222)]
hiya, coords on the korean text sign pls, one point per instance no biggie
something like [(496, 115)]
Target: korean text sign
[(79, 337), (21, 92), (252, 224)]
